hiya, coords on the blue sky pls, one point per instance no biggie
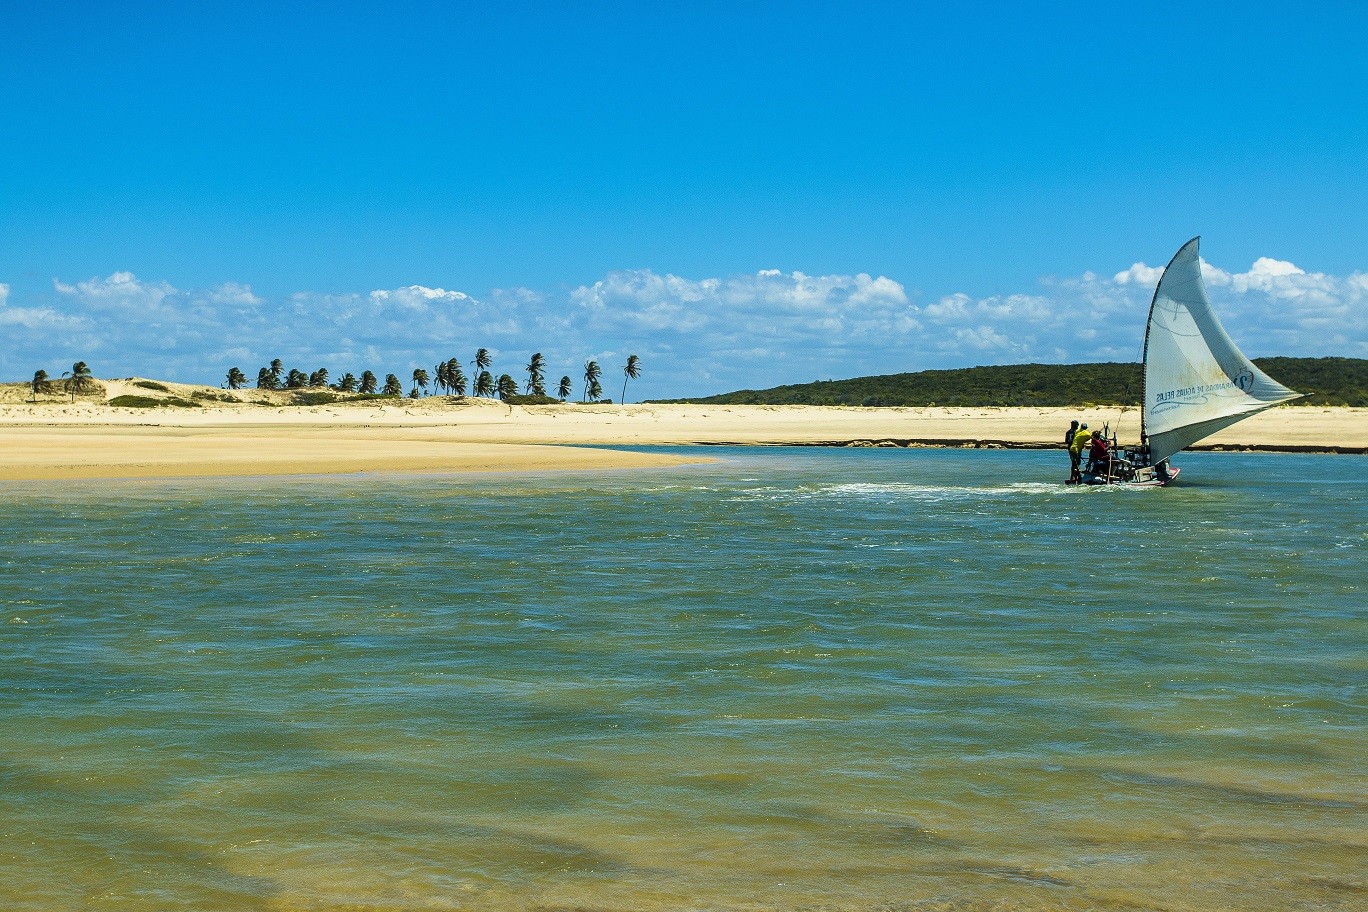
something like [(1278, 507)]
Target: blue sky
[(182, 190)]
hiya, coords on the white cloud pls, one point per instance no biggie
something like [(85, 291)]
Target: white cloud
[(235, 294), (1276, 307), (37, 318), (120, 291), (694, 335), (418, 297), (1139, 274)]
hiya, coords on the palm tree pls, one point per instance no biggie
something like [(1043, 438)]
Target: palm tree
[(481, 363), (368, 383), (484, 384), (420, 378), (507, 387), (563, 389), (277, 369), (456, 377), (392, 386), (536, 375), (296, 379), (236, 378), (347, 384), (319, 377), (592, 388), (40, 383), (264, 379), (440, 378), (77, 378), (630, 372)]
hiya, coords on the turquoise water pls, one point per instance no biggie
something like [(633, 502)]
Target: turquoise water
[(796, 679)]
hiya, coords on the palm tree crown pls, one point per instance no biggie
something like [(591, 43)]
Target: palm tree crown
[(456, 377), (630, 372), (77, 379), (563, 389), (236, 378), (392, 386), (592, 388), (368, 382), (536, 375), (420, 378)]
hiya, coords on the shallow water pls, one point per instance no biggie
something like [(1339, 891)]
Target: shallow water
[(810, 679)]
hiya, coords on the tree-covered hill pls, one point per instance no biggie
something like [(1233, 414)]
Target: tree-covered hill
[(1328, 381)]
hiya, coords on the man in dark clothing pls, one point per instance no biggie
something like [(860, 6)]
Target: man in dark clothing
[(1068, 445)]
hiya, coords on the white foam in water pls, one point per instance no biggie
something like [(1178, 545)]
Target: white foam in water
[(905, 491)]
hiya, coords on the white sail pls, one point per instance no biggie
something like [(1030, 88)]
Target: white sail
[(1196, 381)]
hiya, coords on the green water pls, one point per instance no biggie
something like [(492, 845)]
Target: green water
[(797, 679)]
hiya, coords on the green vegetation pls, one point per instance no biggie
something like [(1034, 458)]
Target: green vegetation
[(152, 385), (530, 399), (1327, 381), (322, 397), (329, 397), (151, 402)]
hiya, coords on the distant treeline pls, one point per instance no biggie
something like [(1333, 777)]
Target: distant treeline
[(1328, 381)]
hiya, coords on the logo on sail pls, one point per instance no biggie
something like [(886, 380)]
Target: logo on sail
[(1245, 381)]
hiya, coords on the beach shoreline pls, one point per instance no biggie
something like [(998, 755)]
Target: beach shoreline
[(194, 431), (240, 436)]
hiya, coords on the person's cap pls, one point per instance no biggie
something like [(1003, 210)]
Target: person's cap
[(1083, 427), (1073, 422)]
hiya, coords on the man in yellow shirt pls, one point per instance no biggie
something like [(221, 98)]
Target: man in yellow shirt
[(1080, 440)]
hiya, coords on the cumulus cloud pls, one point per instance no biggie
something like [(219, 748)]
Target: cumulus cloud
[(120, 291), (1276, 307), (695, 335), (1139, 274)]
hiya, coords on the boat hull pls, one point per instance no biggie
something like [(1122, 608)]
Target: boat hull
[(1143, 478)]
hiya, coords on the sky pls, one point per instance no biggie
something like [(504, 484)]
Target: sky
[(743, 194)]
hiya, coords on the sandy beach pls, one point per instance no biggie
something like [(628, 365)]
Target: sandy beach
[(256, 434)]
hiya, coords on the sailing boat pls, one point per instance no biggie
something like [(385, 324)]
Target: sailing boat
[(1196, 380)]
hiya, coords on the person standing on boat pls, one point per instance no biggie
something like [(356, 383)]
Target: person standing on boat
[(1075, 450), (1068, 442), (1099, 455)]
